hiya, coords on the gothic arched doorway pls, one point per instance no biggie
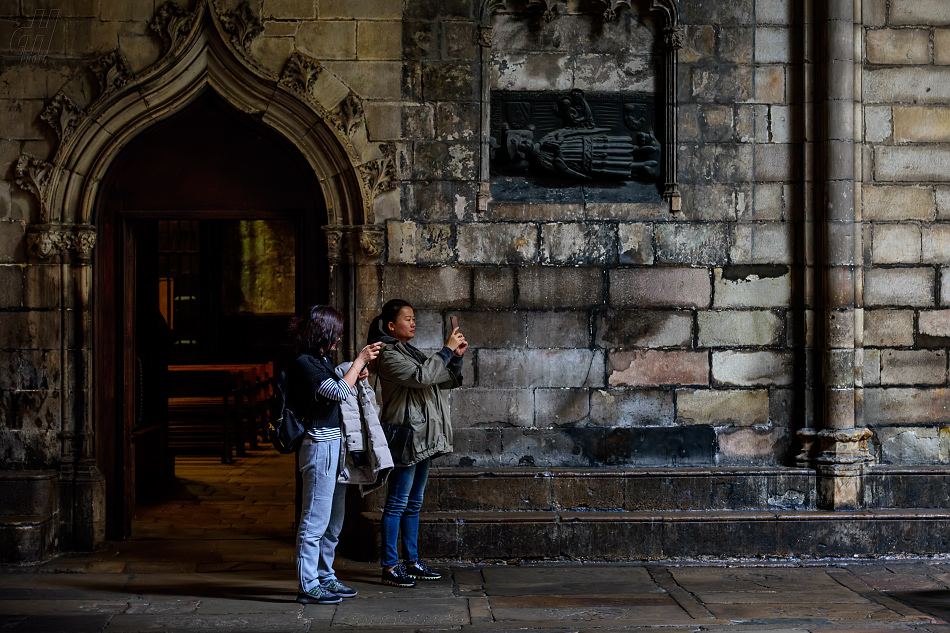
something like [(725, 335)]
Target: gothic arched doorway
[(209, 241)]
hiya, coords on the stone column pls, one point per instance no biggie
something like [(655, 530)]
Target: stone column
[(842, 441)]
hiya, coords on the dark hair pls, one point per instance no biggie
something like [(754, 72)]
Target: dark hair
[(377, 329), (317, 330)]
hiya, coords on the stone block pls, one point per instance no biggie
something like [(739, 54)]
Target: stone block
[(943, 203), (753, 446), (752, 287), (736, 45), (920, 12), (631, 407), (888, 328), (578, 243), (716, 162), (494, 287), (558, 329), (438, 201), (440, 287), (921, 124), (709, 203), (909, 446), (770, 84), (739, 328), (379, 40), (643, 328), (441, 160), (535, 212), (890, 202), (660, 287), (589, 493), (935, 246), (871, 369), (746, 129), (715, 123), (913, 367), (769, 243), (878, 124), (898, 46), (474, 408), (497, 243), (777, 162), (460, 40), (449, 81), (774, 12), (652, 368), (773, 45), (384, 120), (561, 407), (635, 243), (21, 119), (718, 407), (911, 287), (699, 43), (769, 204), (288, 9), (420, 40), (540, 368), (327, 39), (370, 79), (692, 243), (722, 83), (729, 13), (562, 287), (628, 211), (456, 120), (925, 406), (273, 52), (41, 287), (923, 85), (371, 9), (896, 244), (874, 12), (475, 447), (531, 71), (412, 243), (490, 329), (11, 286), (612, 71), (561, 447), (934, 323), (942, 46), (747, 368)]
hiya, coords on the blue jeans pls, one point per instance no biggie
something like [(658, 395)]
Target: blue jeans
[(407, 484), (332, 536), (317, 462)]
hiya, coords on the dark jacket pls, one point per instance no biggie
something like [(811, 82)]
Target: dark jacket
[(317, 412)]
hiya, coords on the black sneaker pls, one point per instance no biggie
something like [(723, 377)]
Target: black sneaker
[(397, 577), (335, 586), (419, 571), (318, 595)]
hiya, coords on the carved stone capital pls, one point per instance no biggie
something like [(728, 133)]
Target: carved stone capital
[(613, 8), (300, 73), (348, 115), (673, 38), (380, 174), (372, 240), (62, 115), (484, 35), (171, 23), (548, 8), (32, 174), (335, 243), (242, 25), (62, 241), (844, 447), (112, 71)]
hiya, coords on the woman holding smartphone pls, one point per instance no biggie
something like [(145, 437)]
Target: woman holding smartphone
[(413, 394)]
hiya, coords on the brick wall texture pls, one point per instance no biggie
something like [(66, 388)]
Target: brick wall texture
[(585, 317)]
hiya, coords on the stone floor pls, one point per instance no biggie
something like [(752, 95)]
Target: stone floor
[(214, 555)]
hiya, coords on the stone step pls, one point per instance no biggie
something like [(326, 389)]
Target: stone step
[(486, 536)]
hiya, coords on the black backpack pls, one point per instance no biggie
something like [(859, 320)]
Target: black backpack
[(286, 432)]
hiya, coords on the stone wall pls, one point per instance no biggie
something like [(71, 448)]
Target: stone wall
[(906, 207)]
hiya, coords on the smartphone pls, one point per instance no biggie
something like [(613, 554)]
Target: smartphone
[(455, 322)]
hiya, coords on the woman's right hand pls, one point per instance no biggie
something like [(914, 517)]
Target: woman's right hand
[(368, 353)]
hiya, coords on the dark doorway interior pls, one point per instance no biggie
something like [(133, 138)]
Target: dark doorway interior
[(209, 241)]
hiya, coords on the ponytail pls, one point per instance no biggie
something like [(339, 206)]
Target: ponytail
[(388, 314)]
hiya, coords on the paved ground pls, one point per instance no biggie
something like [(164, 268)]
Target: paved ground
[(211, 557)]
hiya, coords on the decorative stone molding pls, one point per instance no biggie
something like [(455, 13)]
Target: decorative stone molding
[(484, 35), (33, 175), (300, 73), (171, 23), (613, 8), (548, 8), (62, 241), (62, 115), (335, 241), (372, 241), (349, 114), (844, 447), (242, 25), (673, 38), (489, 8), (112, 71), (380, 174)]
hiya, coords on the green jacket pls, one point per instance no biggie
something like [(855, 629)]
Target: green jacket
[(413, 393)]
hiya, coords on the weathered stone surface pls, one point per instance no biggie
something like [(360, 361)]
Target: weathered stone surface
[(746, 368), (379, 40), (643, 328), (540, 368), (660, 287), (902, 445), (942, 46), (449, 81), (878, 124), (441, 160), (774, 12), (943, 203), (890, 202), (922, 85), (769, 243), (578, 243), (370, 79), (714, 203), (626, 211), (475, 447), (497, 243), (752, 286), (922, 12), (11, 287), (906, 406), (287, 9), (562, 407), (716, 162), (896, 244), (473, 408), (412, 243), (456, 120), (565, 447), (899, 287), (934, 323), (921, 125), (913, 367), (777, 162), (41, 287), (529, 212), (429, 334), (631, 407), (935, 247), (739, 12), (30, 330), (530, 71), (372, 9), (649, 368), (724, 83), (437, 201), (739, 328), (562, 287), (898, 46), (494, 287), (871, 375), (773, 45), (736, 407), (428, 287), (558, 329), (327, 39), (490, 329), (889, 328), (635, 243), (752, 445), (692, 243)]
